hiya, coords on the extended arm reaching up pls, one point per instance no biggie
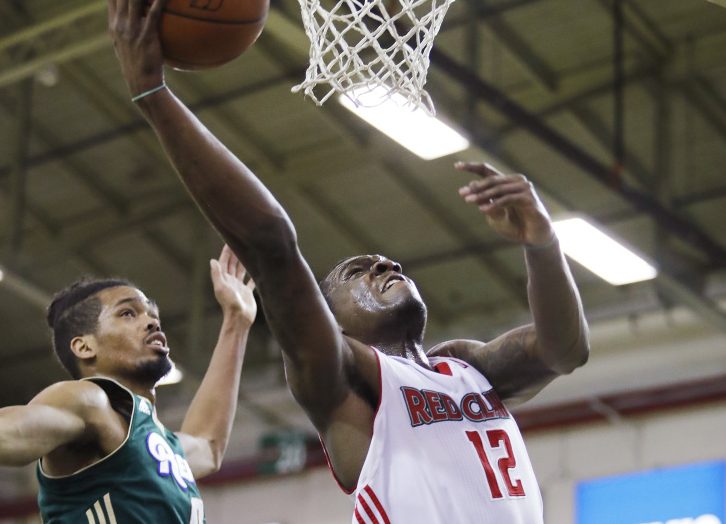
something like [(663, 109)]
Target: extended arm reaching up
[(522, 361), (208, 422), (247, 215)]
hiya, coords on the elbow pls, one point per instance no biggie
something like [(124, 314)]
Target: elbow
[(577, 356), (582, 355), (217, 457)]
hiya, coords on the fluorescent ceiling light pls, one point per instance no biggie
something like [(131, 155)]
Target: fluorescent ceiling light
[(2, 275), (422, 134), (174, 376), (599, 253)]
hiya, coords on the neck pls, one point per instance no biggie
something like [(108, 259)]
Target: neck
[(408, 349), (136, 387), (144, 390)]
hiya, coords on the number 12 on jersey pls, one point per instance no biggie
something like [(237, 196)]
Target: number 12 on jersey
[(496, 439)]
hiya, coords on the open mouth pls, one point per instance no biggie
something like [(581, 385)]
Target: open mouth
[(157, 340), (391, 281)]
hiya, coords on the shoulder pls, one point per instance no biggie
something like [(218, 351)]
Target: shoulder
[(462, 349), (77, 396)]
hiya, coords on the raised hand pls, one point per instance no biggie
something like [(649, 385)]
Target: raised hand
[(134, 28), (509, 202), (233, 294)]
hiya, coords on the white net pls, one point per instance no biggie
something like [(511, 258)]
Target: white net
[(359, 46)]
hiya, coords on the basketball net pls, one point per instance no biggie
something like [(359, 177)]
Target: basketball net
[(360, 46)]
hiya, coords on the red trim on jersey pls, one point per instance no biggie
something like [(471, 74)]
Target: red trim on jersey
[(380, 388), (358, 517), (332, 470), (367, 509), (377, 503), (443, 368), (373, 423)]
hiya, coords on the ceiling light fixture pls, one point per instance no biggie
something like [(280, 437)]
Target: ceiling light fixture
[(420, 133), (601, 254)]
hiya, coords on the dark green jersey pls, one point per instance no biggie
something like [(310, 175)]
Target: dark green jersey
[(145, 481)]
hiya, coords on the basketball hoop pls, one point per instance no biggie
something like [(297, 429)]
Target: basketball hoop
[(359, 46)]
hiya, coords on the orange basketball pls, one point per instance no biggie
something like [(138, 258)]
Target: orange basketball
[(199, 34)]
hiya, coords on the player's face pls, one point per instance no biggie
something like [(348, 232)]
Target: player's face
[(369, 292), (129, 337)]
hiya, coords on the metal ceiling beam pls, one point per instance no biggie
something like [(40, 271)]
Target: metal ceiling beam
[(256, 148), (521, 51), (676, 289), (679, 282), (574, 86), (541, 71), (139, 124), (645, 33), (82, 242), (707, 106), (86, 82), (599, 129), (105, 193), (484, 10), (578, 94), (579, 157), (108, 196), (49, 227), (114, 109), (696, 89), (663, 53), (680, 290), (18, 181), (24, 289), (73, 34), (64, 21)]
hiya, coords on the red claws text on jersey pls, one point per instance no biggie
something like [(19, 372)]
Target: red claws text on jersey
[(426, 406)]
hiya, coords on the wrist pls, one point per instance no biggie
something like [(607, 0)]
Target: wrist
[(148, 92), (234, 317), (540, 246)]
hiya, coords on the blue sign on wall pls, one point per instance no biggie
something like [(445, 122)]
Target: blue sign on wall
[(694, 494)]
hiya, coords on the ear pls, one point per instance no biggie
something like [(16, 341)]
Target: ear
[(84, 347)]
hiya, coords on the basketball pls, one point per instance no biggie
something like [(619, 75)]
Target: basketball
[(200, 34)]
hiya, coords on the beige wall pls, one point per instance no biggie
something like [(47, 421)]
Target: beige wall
[(312, 497), (560, 458)]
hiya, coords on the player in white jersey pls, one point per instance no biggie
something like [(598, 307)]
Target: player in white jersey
[(434, 470), (444, 449)]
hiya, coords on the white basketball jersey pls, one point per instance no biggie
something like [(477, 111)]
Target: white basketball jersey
[(445, 450)]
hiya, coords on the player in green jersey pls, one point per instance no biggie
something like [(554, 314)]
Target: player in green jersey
[(103, 456)]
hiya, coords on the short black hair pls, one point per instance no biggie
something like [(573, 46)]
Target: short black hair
[(74, 312)]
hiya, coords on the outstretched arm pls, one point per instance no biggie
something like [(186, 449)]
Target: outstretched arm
[(205, 431), (55, 417), (247, 215), (522, 361)]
